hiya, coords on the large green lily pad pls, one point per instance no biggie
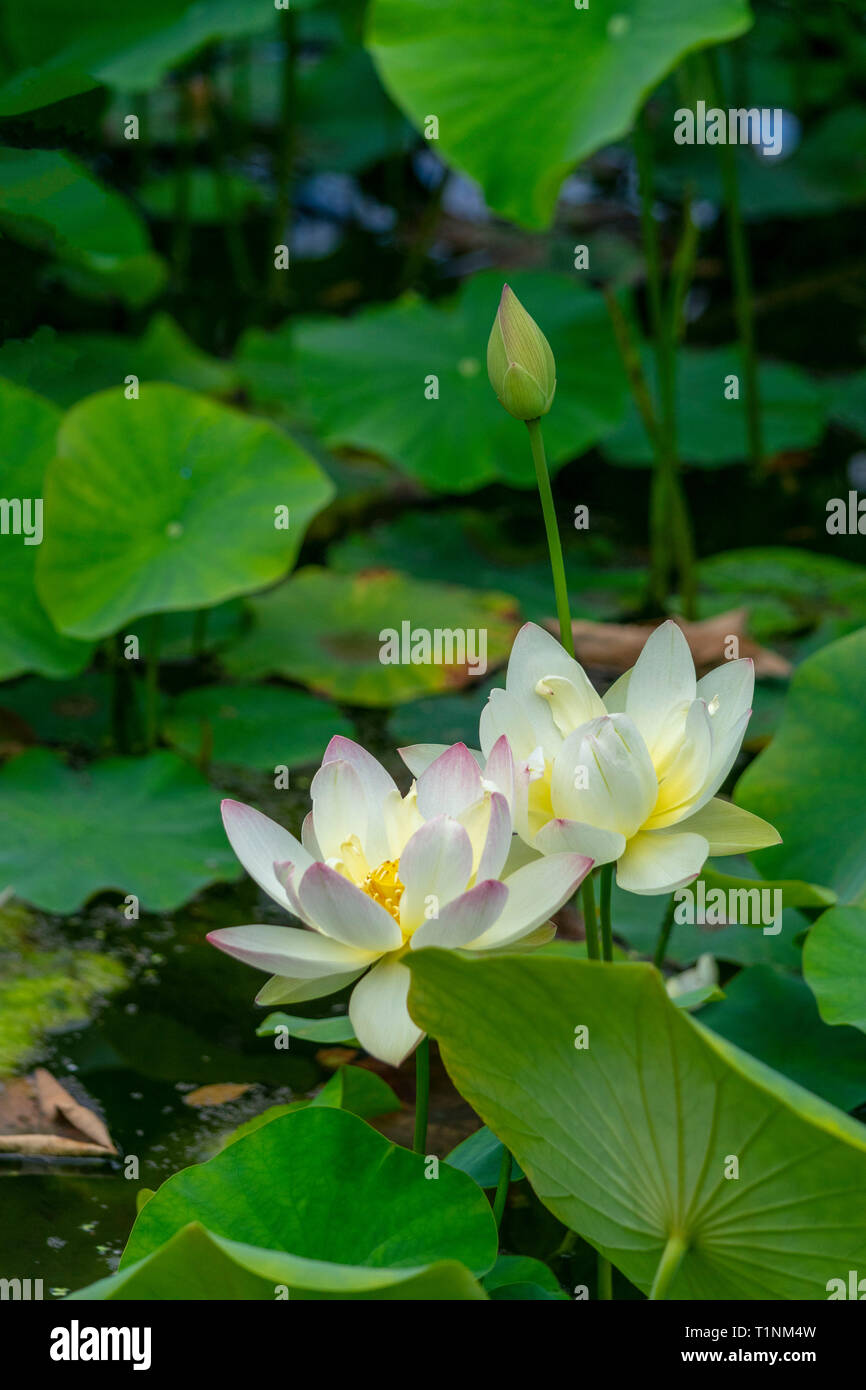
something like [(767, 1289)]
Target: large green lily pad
[(524, 93), (196, 1265), (834, 965), (260, 726), (809, 781), (628, 1139), (363, 380), (323, 629), (167, 502), (28, 639), (148, 826), (786, 591), (712, 431), (321, 1185)]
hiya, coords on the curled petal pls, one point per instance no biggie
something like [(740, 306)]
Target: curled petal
[(535, 892), (562, 836), (302, 955), (258, 842), (658, 861), (343, 912), (464, 918), (378, 1012)]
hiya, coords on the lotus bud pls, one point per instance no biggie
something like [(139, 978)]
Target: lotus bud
[(519, 361)]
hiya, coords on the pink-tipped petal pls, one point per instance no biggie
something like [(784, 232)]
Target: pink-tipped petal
[(258, 842), (303, 955), (450, 784), (346, 914), (463, 919)]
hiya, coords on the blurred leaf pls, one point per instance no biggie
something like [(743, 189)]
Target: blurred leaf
[(661, 1103), (167, 502), (49, 201), (834, 965), (363, 380), (638, 921), (206, 197), (774, 1017), (66, 367), (324, 630), (848, 402), (481, 1157), (75, 713), (320, 1030), (346, 120), (549, 84), (521, 1277), (147, 826), (786, 590), (252, 726), (28, 639), (712, 430), (61, 50), (809, 782)]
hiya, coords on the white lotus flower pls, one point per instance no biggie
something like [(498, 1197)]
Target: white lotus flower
[(378, 874), (633, 777)]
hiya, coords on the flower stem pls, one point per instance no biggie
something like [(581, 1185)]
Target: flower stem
[(151, 682), (669, 1263), (502, 1187), (742, 280), (664, 935), (605, 1278), (422, 1094), (590, 920), (554, 545), (606, 928)]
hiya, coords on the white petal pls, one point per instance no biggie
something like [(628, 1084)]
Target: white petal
[(499, 768), (449, 784), (464, 918), (258, 842), (730, 689), (379, 1016), (535, 892), (308, 839), (562, 836), (661, 690), (687, 771), (498, 842), (570, 705), (304, 955), (503, 715), (659, 861), (376, 782), (419, 756), (346, 914), (615, 696), (729, 829), (603, 776), (289, 877), (436, 863), (339, 808)]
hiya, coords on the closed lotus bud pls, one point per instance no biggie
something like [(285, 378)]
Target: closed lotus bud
[(519, 361)]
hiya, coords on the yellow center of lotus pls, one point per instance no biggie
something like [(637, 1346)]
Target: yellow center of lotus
[(384, 887)]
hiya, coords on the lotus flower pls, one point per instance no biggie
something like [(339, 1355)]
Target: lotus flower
[(378, 874), (631, 778)]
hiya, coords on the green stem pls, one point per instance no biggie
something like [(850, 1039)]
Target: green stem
[(590, 921), (422, 1094), (669, 1263), (606, 926), (605, 1278), (664, 935), (502, 1187), (554, 545), (742, 279), (285, 151), (671, 544), (151, 679)]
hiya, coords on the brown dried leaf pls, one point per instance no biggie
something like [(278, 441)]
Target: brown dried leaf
[(39, 1116), (218, 1093), (615, 647)]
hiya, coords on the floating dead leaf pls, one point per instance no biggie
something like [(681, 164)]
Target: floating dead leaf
[(39, 1116), (219, 1093), (334, 1057), (615, 647)]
